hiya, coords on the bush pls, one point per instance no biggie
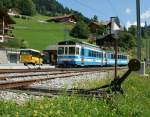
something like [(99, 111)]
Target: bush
[(80, 30), (12, 43), (126, 40)]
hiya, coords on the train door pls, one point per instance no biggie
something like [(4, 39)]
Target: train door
[(102, 58), (82, 55), (105, 58)]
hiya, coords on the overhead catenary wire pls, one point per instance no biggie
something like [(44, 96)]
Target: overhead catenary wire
[(91, 8), (115, 11)]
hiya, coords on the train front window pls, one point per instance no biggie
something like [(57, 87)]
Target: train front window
[(61, 50), (66, 50), (77, 51), (71, 50)]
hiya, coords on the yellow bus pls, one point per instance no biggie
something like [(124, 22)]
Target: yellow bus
[(30, 56)]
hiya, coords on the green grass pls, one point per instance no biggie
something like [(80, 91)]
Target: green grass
[(134, 103), (38, 34)]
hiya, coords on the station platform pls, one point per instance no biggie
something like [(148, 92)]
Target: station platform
[(21, 66)]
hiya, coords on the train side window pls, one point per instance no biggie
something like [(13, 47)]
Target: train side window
[(61, 50), (112, 56), (124, 57), (77, 51), (99, 54), (118, 57), (94, 53), (66, 50), (89, 53), (82, 51)]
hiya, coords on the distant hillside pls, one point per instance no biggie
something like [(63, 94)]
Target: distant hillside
[(54, 8), (38, 33), (44, 7)]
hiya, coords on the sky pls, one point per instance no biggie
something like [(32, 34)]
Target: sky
[(104, 9)]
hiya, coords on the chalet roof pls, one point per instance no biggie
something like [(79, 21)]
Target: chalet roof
[(62, 17), (106, 40), (7, 18), (98, 24)]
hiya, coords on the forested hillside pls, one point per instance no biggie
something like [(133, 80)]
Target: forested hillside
[(44, 7)]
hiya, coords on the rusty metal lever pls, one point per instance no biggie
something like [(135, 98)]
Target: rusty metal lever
[(115, 85)]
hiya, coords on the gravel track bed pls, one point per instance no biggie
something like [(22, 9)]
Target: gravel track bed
[(68, 83), (18, 98)]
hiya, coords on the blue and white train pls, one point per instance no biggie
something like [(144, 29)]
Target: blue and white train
[(71, 53)]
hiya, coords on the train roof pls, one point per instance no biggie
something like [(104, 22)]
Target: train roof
[(85, 44)]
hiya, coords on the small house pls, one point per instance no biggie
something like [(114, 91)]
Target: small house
[(9, 56), (6, 27), (64, 19)]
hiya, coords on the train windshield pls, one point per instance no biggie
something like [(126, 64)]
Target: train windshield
[(77, 51), (71, 50), (61, 50)]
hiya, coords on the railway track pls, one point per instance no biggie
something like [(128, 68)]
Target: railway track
[(104, 91), (19, 79), (5, 71), (98, 93), (18, 83)]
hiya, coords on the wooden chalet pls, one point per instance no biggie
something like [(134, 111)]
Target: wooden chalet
[(65, 19), (105, 41), (13, 12), (5, 26), (95, 26)]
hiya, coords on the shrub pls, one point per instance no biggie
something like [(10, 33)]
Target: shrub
[(80, 30)]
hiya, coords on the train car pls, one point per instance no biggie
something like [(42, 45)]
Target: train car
[(122, 59), (79, 54), (72, 53), (30, 56), (110, 58)]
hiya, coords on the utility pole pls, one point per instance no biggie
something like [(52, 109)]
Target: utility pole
[(138, 29), (149, 51), (65, 32), (145, 33)]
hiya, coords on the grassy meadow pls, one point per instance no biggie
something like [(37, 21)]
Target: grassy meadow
[(38, 33), (134, 103)]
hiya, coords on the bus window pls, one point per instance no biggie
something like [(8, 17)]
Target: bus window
[(35, 54), (66, 50), (71, 50), (77, 51), (61, 50), (25, 52)]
